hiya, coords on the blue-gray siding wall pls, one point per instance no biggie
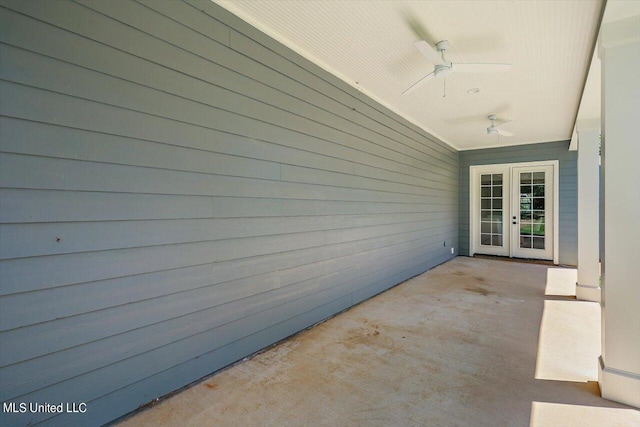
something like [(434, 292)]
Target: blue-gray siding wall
[(568, 209), (179, 191)]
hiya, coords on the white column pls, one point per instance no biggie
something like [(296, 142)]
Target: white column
[(619, 367), (588, 285)]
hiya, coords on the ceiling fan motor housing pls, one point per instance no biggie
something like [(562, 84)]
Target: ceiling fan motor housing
[(442, 70)]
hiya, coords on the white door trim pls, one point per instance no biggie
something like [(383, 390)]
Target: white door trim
[(473, 207)]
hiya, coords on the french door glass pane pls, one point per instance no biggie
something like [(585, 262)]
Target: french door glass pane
[(538, 177), (532, 205), (491, 209), (538, 203)]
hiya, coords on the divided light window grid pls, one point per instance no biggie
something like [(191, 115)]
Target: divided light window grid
[(532, 206), (491, 209)]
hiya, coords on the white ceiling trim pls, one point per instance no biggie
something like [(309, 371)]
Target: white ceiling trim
[(232, 7)]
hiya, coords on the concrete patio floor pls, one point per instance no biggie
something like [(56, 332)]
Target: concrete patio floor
[(473, 342)]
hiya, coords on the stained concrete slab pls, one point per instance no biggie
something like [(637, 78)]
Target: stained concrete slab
[(457, 346)]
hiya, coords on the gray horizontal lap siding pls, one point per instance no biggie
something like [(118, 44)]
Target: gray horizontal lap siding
[(568, 186), (178, 191)]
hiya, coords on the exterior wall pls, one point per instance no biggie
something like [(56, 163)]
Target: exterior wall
[(568, 209), (179, 191)]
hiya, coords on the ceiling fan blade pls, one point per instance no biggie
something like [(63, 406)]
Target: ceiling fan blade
[(504, 133), (501, 122), (480, 68), (418, 28), (419, 83), (429, 52)]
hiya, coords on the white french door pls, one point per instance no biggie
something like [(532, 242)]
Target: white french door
[(513, 208), (493, 210), (532, 219)]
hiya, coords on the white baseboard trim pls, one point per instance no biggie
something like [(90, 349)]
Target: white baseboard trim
[(619, 386)]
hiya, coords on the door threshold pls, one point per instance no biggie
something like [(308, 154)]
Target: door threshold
[(506, 258)]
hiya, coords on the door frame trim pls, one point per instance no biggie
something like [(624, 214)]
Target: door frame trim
[(473, 194)]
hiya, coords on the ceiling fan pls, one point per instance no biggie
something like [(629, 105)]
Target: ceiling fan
[(493, 129), (444, 68)]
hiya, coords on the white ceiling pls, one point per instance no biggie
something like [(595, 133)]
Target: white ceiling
[(369, 44)]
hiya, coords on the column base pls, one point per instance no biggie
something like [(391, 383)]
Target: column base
[(587, 293), (619, 386)]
